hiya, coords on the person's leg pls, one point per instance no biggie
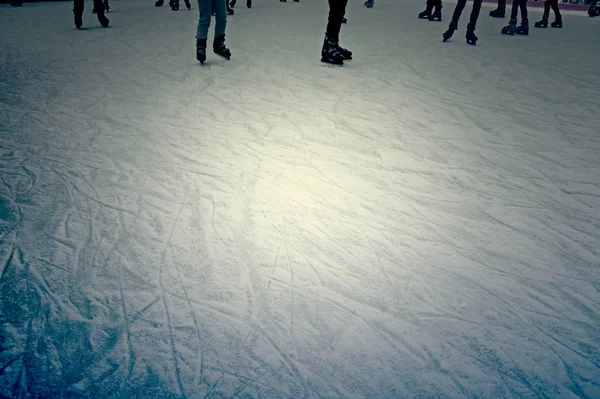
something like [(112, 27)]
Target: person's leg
[(557, 17), (220, 24), (523, 7), (99, 6), (470, 35), (330, 52), (204, 11), (78, 13)]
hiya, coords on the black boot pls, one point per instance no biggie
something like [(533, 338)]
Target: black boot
[(106, 6), (330, 53), (249, 3), (78, 21), (499, 12), (229, 10), (541, 24), (437, 15), (523, 29), (99, 6), (557, 23), (159, 3), (471, 38), (451, 28), (219, 47), (174, 5), (187, 4), (426, 14), (16, 3), (201, 50)]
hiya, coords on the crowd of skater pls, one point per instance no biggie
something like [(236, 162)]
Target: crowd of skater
[(332, 52)]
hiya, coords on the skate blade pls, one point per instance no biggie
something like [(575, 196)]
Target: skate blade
[(331, 63)]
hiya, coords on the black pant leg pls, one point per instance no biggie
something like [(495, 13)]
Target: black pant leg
[(460, 6), (475, 13), (78, 7), (337, 9)]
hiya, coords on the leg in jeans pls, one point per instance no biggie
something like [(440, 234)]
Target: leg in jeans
[(205, 10), (337, 9), (220, 17)]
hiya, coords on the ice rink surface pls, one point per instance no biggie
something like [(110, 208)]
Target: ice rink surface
[(423, 222)]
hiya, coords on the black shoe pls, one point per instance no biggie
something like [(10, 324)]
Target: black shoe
[(201, 50), (522, 29), (229, 11), (187, 4), (159, 3), (425, 14), (436, 16), (448, 34), (557, 24), (541, 24), (470, 36), (103, 20), (219, 47), (78, 21), (330, 53), (16, 3), (249, 3), (174, 5), (498, 12)]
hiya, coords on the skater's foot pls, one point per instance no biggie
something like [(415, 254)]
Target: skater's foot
[(229, 11), (448, 34), (510, 28), (425, 14), (220, 49), (249, 3), (369, 3), (78, 21), (522, 29), (541, 24), (159, 3), (103, 20), (498, 12), (557, 24), (232, 3), (174, 5), (187, 4), (470, 36), (330, 53), (436, 16), (201, 50)]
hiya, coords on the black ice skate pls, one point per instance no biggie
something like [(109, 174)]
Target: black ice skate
[(498, 12), (523, 29), (201, 50), (541, 24), (470, 36), (330, 53), (511, 28), (249, 3), (448, 34), (174, 5), (557, 24), (78, 21), (283, 1), (220, 49), (232, 3), (159, 3), (436, 16), (187, 4), (425, 14)]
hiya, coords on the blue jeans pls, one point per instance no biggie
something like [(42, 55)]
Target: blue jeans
[(206, 8)]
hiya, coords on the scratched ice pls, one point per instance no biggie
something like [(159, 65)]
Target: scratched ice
[(423, 222)]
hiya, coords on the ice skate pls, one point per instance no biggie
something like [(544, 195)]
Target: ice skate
[(174, 5), (330, 52), (470, 36), (201, 50), (499, 12), (448, 34), (522, 29), (425, 14), (557, 24), (369, 3), (436, 16), (159, 3), (541, 24), (219, 47), (187, 4), (510, 28)]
